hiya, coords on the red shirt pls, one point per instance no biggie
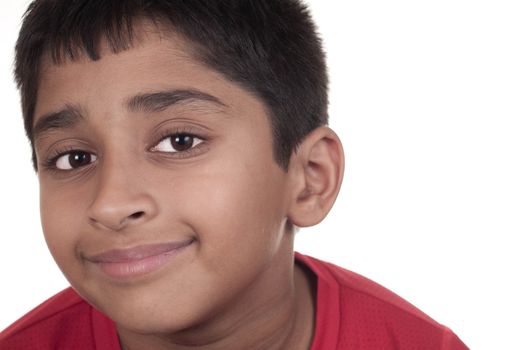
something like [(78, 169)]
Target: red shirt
[(353, 313)]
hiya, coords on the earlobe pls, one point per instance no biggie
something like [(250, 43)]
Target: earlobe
[(318, 169)]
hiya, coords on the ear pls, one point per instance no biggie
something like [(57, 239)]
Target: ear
[(316, 170)]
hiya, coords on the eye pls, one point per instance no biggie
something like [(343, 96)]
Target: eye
[(74, 160), (177, 143)]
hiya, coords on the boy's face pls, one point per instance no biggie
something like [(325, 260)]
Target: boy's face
[(169, 207)]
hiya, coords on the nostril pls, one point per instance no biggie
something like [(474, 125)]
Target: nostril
[(137, 215)]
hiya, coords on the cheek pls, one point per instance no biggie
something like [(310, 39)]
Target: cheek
[(236, 210), (61, 218)]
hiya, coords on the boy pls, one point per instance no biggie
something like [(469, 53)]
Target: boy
[(179, 145)]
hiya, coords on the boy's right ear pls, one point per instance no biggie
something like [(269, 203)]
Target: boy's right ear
[(316, 170)]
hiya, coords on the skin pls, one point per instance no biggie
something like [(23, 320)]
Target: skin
[(235, 286)]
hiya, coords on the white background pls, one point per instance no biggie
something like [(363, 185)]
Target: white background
[(430, 100)]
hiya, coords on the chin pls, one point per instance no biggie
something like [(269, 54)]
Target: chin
[(155, 316)]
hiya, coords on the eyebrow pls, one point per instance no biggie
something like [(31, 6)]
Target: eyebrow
[(66, 118), (158, 101)]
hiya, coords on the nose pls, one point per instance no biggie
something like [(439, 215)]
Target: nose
[(121, 199)]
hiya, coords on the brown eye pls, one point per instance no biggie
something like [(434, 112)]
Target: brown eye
[(74, 159), (177, 143), (182, 142)]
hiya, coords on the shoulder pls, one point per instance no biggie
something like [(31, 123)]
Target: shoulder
[(367, 315), (53, 321)]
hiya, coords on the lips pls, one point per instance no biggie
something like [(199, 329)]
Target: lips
[(139, 260)]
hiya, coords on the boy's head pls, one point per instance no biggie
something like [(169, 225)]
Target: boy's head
[(162, 131), (270, 48)]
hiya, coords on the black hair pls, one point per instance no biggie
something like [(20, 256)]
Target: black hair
[(269, 47)]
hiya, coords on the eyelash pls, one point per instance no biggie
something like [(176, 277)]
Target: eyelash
[(50, 163), (180, 131)]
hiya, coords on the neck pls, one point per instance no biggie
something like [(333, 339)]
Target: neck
[(282, 318)]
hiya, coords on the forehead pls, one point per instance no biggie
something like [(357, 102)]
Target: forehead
[(158, 60), (150, 46)]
